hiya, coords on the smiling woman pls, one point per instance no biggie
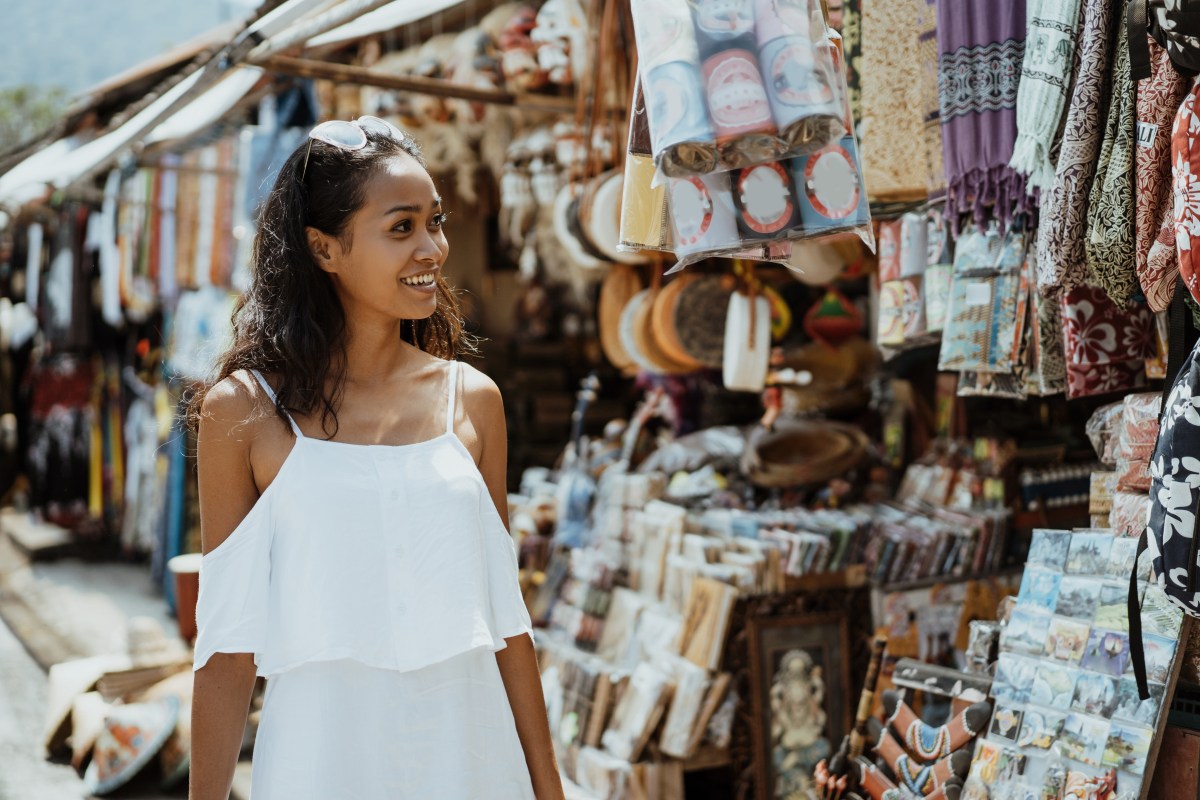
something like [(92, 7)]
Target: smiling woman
[(373, 583)]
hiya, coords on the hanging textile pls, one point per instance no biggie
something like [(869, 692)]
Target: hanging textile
[(893, 142), (1045, 81), (1109, 242), (981, 44), (927, 58), (1106, 346), (1048, 373), (1062, 227), (1158, 98), (1185, 177), (846, 16), (168, 193)]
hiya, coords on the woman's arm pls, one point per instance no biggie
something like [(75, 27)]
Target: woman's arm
[(517, 662), (222, 687)]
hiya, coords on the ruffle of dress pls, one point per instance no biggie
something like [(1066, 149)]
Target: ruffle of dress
[(995, 193)]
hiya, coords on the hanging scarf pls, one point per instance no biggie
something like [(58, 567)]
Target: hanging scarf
[(1045, 80), (1109, 243), (893, 145), (1185, 174), (1062, 262), (1158, 98), (851, 30), (981, 43)]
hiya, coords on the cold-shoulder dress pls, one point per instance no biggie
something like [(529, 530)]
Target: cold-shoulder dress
[(373, 584)]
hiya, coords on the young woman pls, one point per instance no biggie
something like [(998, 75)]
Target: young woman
[(353, 507)]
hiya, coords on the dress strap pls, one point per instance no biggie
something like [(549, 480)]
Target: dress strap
[(275, 401), (454, 370)]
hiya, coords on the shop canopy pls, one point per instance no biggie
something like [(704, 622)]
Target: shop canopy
[(213, 89)]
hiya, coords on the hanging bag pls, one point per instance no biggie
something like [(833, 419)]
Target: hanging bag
[(1175, 24)]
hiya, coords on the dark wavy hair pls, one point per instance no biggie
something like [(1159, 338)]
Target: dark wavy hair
[(289, 322)]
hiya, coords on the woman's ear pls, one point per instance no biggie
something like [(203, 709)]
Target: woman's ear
[(322, 247)]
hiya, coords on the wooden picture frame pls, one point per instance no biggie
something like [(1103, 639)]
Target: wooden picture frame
[(791, 658)]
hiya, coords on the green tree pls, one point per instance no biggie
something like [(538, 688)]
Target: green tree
[(27, 111)]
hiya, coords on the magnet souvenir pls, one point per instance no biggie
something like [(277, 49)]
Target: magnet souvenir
[(718, 23), (738, 106), (682, 137), (664, 33), (830, 189), (798, 76), (765, 201), (702, 215)]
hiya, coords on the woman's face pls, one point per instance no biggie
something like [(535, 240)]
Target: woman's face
[(394, 248)]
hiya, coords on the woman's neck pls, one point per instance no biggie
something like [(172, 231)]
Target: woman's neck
[(375, 351)]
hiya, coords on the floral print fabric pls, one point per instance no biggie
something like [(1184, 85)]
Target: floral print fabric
[(1105, 346), (1185, 170), (1158, 99)]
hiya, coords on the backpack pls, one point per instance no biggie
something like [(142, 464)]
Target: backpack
[(1175, 24), (1170, 533)]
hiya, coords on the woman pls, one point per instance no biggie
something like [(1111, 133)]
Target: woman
[(352, 505)]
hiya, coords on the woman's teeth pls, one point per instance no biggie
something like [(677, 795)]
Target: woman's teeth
[(419, 280)]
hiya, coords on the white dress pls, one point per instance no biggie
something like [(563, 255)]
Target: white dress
[(373, 584)]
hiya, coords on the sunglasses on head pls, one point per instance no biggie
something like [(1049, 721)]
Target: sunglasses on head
[(350, 135)]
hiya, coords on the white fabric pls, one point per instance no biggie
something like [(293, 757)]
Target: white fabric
[(373, 583)]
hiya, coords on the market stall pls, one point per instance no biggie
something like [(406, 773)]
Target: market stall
[(827, 331)]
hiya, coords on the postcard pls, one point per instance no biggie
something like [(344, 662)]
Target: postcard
[(1159, 615), (1040, 728), (1132, 708), (1095, 694), (1107, 653), (1067, 639), (1088, 553), (1014, 677), (1006, 722), (1053, 685), (1127, 748), (1050, 548), (1026, 631), (1159, 653), (1121, 559), (1112, 612), (1084, 738), (1078, 597), (1039, 588)]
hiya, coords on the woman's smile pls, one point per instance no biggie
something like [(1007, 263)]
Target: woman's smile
[(423, 282)]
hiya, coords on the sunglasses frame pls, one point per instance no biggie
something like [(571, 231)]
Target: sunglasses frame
[(361, 126)]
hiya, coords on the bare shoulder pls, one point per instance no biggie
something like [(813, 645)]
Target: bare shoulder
[(481, 395), (234, 403)]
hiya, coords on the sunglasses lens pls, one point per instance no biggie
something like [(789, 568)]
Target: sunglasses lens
[(339, 133), (380, 127)]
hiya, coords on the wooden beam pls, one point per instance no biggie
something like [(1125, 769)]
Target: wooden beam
[(345, 73)]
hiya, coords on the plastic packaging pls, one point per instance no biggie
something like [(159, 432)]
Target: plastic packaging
[(1104, 430), (733, 83)]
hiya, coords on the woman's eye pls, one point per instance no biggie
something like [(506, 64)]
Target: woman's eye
[(403, 226), (438, 220)]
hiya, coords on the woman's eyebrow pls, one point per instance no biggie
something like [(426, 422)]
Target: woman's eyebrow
[(412, 208)]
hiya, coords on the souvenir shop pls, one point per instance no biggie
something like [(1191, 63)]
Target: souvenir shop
[(832, 337)]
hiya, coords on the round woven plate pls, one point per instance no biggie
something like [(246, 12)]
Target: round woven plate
[(620, 285), (628, 328), (700, 320), (643, 332), (662, 322)]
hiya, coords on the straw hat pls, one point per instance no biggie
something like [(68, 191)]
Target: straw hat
[(803, 452), (699, 320), (815, 263), (566, 229), (149, 645), (619, 286), (628, 328), (132, 735), (175, 756), (662, 321)]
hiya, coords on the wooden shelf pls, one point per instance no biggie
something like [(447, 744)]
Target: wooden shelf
[(925, 583), (853, 577), (707, 757)]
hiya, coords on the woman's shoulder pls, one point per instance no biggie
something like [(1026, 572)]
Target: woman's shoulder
[(478, 388), (235, 400)]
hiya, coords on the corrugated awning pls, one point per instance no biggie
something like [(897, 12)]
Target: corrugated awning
[(393, 15)]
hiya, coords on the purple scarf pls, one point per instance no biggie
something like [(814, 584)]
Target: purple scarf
[(981, 45)]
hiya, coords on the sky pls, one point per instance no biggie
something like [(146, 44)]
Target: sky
[(77, 44)]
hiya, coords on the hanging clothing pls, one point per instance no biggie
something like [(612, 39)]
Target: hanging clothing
[(1109, 242), (1158, 99), (1106, 345), (981, 45), (1045, 83), (927, 57), (373, 585), (1062, 227)]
